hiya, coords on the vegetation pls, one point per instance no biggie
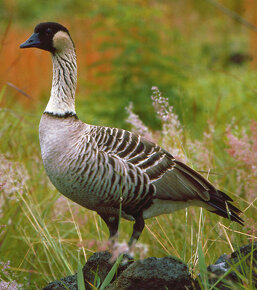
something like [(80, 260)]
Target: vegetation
[(184, 49)]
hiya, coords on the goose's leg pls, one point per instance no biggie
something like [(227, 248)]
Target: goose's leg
[(137, 229), (112, 223)]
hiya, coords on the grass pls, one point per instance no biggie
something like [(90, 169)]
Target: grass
[(41, 232), (43, 235)]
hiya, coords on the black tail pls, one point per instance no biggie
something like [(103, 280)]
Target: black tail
[(208, 193), (224, 208)]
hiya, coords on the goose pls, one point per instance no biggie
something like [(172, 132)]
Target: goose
[(114, 172)]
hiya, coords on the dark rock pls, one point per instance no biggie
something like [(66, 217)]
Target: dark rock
[(100, 264), (163, 273), (225, 262), (69, 282), (154, 273)]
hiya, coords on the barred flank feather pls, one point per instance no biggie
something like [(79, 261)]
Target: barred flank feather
[(101, 167)]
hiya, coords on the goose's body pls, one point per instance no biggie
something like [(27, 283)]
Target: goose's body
[(103, 168)]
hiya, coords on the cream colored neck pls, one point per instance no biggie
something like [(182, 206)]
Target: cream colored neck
[(62, 99)]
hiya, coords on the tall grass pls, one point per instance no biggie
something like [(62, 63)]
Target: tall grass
[(41, 232)]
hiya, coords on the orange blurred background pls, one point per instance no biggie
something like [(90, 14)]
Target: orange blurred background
[(30, 70)]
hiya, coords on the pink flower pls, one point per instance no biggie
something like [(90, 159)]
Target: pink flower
[(13, 178), (10, 285), (243, 148)]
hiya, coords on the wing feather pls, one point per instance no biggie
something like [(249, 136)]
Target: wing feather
[(171, 179)]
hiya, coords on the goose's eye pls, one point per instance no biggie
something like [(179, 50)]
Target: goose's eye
[(48, 31)]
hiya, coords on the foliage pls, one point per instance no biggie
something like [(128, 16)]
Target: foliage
[(130, 42)]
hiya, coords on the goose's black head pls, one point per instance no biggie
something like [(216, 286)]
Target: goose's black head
[(50, 36)]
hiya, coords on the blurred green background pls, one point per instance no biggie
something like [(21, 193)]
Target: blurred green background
[(198, 56)]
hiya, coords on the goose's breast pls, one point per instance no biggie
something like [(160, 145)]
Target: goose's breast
[(68, 156)]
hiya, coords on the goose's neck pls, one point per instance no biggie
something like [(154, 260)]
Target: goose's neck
[(62, 99)]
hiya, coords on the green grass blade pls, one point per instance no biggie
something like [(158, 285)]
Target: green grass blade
[(80, 277), (202, 267), (111, 274)]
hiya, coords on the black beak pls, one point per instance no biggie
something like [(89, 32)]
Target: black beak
[(33, 41)]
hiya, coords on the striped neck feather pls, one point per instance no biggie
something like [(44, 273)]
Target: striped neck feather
[(62, 99)]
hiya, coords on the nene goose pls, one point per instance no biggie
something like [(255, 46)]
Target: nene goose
[(103, 168)]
